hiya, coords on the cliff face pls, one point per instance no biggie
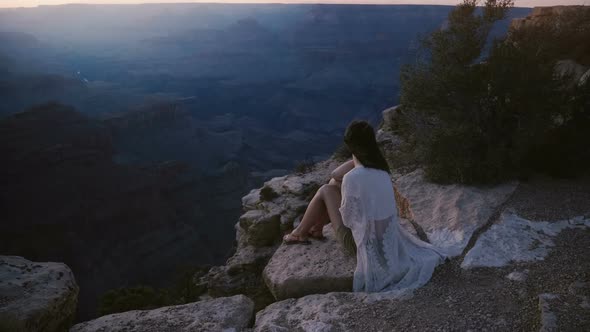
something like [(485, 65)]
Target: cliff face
[(510, 249), (541, 16), (559, 29), (64, 198), (269, 212)]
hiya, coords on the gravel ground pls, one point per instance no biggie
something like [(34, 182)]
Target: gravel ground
[(484, 299), (546, 199)]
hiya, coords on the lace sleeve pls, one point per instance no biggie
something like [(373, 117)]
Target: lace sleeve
[(351, 210)]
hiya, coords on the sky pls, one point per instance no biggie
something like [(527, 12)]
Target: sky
[(519, 3)]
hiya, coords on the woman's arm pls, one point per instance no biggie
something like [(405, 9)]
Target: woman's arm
[(339, 172)]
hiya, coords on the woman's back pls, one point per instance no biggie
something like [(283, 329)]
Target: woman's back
[(388, 257), (374, 188)]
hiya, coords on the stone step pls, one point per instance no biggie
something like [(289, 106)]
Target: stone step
[(321, 267)]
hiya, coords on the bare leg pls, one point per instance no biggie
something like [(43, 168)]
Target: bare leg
[(324, 219), (326, 201), (332, 199)]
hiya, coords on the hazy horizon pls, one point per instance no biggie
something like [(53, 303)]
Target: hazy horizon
[(518, 3)]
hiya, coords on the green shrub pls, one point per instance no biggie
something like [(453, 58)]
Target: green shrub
[(268, 194), (303, 167), (342, 153), (184, 290), (11, 324), (486, 121), (125, 299)]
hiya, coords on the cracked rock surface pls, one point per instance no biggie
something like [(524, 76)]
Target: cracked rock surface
[(36, 296)]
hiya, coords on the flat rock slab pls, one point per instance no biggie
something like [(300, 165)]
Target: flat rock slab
[(515, 239), (326, 312), (36, 296), (331, 312), (321, 267), (448, 214), (221, 314)]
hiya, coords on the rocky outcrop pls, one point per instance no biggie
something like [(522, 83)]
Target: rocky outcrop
[(36, 296), (222, 314), (241, 275), (299, 270), (544, 15), (448, 214), (260, 228), (269, 212)]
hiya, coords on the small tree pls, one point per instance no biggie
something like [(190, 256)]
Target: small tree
[(489, 119)]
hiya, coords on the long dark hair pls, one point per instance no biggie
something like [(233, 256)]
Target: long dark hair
[(360, 140)]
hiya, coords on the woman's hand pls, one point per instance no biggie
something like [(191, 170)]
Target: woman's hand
[(339, 172)]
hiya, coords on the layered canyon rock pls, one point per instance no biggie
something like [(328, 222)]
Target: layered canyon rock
[(36, 296)]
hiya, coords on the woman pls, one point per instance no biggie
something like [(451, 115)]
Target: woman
[(365, 219)]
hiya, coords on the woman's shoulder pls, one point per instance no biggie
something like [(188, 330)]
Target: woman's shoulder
[(353, 174), (360, 171), (363, 174)]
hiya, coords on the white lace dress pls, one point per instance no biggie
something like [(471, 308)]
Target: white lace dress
[(389, 258)]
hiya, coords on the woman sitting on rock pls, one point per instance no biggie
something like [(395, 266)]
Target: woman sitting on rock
[(363, 213)]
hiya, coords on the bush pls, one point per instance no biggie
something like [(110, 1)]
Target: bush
[(503, 117), (342, 153), (184, 290), (303, 167), (268, 194), (11, 324), (125, 299)]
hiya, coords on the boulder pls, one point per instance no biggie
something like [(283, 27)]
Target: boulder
[(250, 258), (241, 275), (221, 314), (515, 239), (261, 228), (331, 312), (36, 296), (251, 200), (321, 267), (221, 281), (448, 214), (327, 312), (391, 117)]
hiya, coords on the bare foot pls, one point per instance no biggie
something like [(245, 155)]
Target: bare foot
[(315, 233), (294, 238)]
